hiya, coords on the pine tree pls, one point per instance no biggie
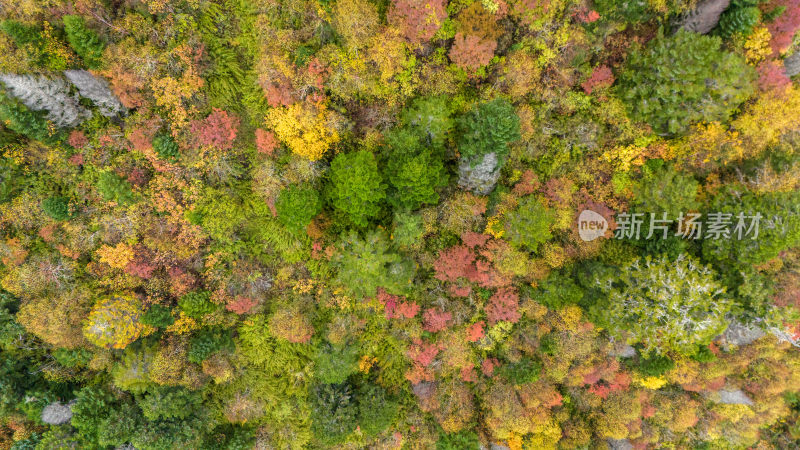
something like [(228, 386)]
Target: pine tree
[(96, 90), (84, 41), (20, 119), (42, 94)]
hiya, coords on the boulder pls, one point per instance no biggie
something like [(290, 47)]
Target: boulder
[(57, 413), (479, 176), (705, 16)]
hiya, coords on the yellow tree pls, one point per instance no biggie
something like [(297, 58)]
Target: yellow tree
[(114, 322)]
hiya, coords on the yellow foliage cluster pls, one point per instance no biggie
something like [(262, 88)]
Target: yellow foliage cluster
[(757, 46), (114, 322), (173, 94), (182, 325), (494, 226), (650, 382), (117, 257), (760, 126), (308, 131)]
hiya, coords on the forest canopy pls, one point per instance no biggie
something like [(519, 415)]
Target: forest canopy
[(399, 224)]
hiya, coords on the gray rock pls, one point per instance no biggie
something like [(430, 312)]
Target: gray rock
[(738, 334), (791, 65), (96, 90), (498, 447), (623, 351), (705, 16), (620, 444), (734, 397), (479, 177), (56, 413)]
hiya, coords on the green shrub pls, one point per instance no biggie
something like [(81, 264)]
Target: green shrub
[(166, 147), (356, 189), (84, 41), (296, 206), (683, 79)]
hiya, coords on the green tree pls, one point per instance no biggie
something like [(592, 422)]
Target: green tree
[(166, 147), (488, 128), (158, 316), (32, 124), (408, 229), (92, 405), (778, 226), (529, 224), (683, 79), (296, 206), (376, 410), (197, 304), (663, 189), (334, 412), (356, 188), (366, 264), (207, 342), (56, 207), (334, 363), (740, 18), (166, 402), (667, 306), (84, 41), (114, 188), (413, 170), (430, 118)]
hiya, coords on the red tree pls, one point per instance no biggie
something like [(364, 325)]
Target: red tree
[(601, 77), (418, 20), (784, 26), (217, 130), (503, 306), (435, 319)]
